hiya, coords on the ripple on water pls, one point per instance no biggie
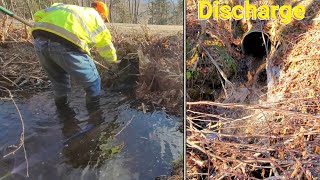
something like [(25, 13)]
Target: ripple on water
[(129, 144)]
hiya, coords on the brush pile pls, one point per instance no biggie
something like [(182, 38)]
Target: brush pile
[(20, 69), (161, 74), (279, 136), (160, 81), (212, 53)]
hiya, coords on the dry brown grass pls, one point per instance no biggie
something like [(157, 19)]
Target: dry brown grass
[(161, 66)]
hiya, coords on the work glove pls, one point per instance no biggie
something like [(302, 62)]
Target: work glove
[(113, 66)]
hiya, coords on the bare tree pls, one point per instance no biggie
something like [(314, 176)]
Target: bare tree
[(136, 12), (29, 5), (110, 5), (129, 2)]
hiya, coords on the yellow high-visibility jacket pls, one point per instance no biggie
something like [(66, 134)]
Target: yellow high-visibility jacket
[(82, 26)]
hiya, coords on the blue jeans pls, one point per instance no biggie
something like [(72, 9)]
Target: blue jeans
[(60, 63)]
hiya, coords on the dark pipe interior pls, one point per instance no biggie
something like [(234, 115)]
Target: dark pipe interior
[(253, 44)]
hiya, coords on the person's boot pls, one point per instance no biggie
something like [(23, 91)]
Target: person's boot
[(95, 113), (63, 108), (92, 103), (61, 102)]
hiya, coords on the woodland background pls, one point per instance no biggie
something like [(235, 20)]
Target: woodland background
[(161, 12)]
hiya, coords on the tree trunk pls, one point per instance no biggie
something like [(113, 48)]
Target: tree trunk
[(175, 12), (129, 1), (110, 6), (11, 5), (2, 3), (39, 4), (30, 8), (137, 11), (132, 12)]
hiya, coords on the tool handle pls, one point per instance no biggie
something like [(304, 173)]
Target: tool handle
[(6, 11), (23, 21)]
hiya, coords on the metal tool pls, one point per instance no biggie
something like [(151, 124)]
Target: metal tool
[(11, 14)]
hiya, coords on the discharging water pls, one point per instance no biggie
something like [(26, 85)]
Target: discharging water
[(128, 144)]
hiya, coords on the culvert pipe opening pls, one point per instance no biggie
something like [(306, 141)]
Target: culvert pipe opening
[(253, 44)]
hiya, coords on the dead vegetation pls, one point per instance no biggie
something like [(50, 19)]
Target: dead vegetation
[(275, 136), (160, 81), (20, 70)]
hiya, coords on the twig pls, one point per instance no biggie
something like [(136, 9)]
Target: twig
[(218, 67), (21, 144), (125, 126), (223, 86), (101, 65), (239, 165), (10, 81), (15, 57), (254, 107), (252, 160), (275, 178), (274, 169)]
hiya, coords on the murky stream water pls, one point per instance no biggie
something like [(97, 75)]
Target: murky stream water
[(128, 144)]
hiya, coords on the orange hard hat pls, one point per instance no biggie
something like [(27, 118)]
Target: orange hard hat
[(102, 8)]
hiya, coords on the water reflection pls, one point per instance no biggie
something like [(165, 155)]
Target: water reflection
[(117, 142), (82, 147)]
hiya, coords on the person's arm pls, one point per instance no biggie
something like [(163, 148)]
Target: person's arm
[(105, 46)]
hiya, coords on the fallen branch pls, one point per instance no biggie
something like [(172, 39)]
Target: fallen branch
[(21, 144), (129, 122), (255, 107), (224, 76)]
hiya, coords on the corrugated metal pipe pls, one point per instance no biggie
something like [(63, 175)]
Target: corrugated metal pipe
[(253, 43)]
